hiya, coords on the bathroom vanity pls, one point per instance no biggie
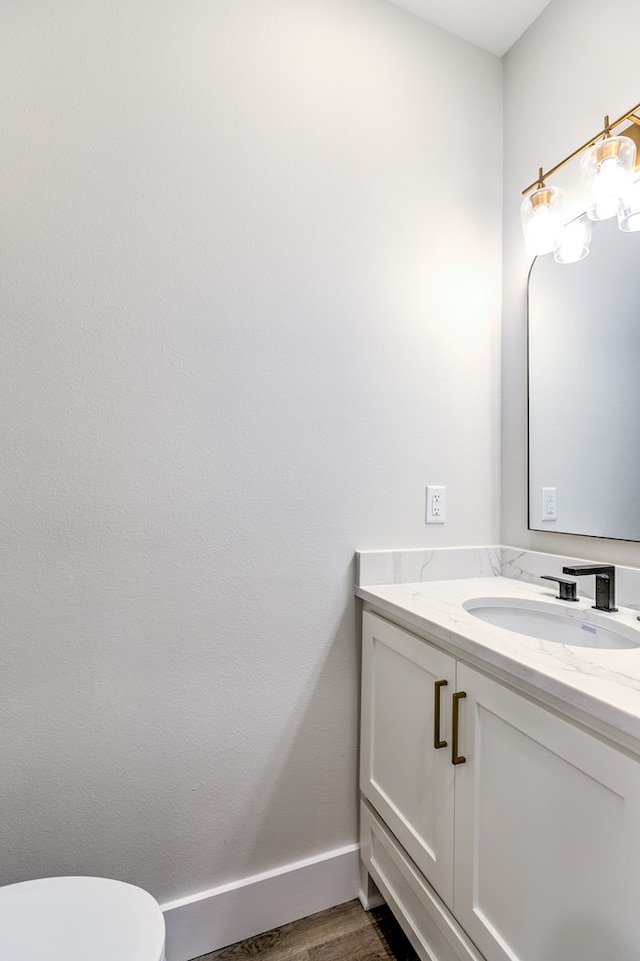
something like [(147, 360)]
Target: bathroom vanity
[(500, 772)]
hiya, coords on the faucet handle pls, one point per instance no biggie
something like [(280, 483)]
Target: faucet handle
[(568, 589)]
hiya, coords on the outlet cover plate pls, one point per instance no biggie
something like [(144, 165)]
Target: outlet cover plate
[(436, 505)]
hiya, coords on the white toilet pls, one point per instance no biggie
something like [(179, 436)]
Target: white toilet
[(75, 919)]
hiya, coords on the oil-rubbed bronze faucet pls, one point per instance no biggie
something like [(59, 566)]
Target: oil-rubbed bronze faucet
[(605, 583)]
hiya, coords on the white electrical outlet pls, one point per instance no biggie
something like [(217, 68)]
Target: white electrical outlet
[(436, 505), (549, 505)]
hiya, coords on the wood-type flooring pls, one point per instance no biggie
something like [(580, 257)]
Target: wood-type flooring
[(343, 933)]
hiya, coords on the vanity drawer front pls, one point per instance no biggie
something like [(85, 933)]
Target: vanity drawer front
[(428, 924)]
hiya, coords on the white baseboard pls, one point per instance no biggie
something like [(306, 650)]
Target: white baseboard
[(220, 916)]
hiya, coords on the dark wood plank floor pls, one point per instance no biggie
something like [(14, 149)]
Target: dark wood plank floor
[(343, 933)]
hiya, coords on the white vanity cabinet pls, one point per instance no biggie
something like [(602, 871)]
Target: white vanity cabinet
[(526, 850)]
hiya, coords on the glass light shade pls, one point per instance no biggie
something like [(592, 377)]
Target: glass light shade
[(540, 214), (607, 169), (573, 241), (629, 213)]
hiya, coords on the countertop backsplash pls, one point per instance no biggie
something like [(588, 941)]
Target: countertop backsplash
[(452, 563)]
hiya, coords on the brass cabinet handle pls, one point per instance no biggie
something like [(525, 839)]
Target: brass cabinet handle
[(455, 757), (437, 742)]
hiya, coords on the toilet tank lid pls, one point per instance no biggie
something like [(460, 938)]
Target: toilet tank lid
[(72, 918)]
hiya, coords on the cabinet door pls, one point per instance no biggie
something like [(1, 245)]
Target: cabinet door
[(402, 774), (547, 860)]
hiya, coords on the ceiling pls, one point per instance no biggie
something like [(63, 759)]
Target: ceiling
[(494, 25)]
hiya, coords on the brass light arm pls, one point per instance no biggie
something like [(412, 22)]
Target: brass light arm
[(629, 115)]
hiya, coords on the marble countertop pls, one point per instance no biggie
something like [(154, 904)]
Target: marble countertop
[(599, 687)]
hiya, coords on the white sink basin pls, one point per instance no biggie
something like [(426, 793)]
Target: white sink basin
[(550, 623)]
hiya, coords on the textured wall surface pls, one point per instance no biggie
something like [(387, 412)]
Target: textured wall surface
[(556, 95), (250, 307)]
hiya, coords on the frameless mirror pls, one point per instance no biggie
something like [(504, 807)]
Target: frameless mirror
[(584, 389)]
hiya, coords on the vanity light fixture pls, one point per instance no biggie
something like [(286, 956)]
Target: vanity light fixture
[(607, 172), (608, 166), (629, 214), (573, 240), (541, 217)]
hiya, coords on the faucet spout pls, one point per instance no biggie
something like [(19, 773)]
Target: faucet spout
[(605, 575)]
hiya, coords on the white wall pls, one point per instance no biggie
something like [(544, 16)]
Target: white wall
[(575, 64), (250, 308)]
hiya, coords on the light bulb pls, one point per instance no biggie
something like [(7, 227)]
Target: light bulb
[(541, 230), (607, 168), (540, 220), (608, 188)]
